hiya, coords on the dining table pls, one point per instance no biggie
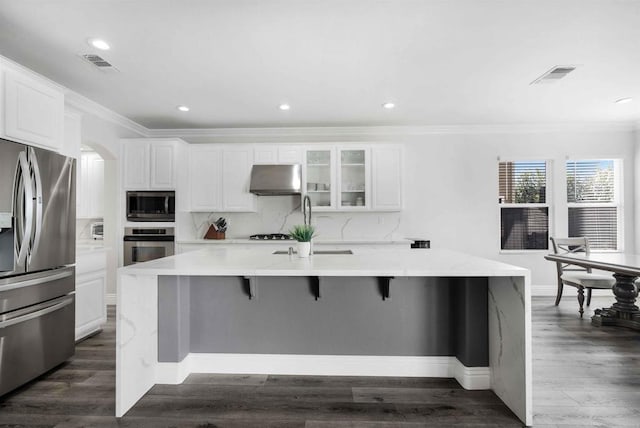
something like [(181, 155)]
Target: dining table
[(626, 269)]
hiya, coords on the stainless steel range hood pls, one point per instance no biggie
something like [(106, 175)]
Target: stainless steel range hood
[(274, 180)]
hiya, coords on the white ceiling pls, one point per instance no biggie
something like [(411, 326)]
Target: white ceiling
[(233, 62)]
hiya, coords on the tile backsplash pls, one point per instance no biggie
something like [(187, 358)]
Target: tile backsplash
[(278, 214)]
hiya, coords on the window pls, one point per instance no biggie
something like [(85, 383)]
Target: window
[(594, 202), (524, 211)]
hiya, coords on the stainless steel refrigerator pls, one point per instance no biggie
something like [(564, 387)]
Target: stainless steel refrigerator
[(37, 254)]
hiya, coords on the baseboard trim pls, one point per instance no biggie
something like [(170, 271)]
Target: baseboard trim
[(471, 377), (324, 365)]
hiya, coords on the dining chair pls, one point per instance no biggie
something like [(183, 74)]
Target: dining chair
[(577, 276)]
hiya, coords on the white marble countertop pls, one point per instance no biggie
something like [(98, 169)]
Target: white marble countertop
[(229, 261), (355, 241)]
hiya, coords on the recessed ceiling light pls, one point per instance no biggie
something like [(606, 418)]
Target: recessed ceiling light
[(284, 107), (183, 108), (624, 100), (388, 105), (99, 44)]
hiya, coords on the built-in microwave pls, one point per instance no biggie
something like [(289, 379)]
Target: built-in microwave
[(151, 206)]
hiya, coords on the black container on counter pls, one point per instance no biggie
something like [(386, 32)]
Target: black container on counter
[(421, 243)]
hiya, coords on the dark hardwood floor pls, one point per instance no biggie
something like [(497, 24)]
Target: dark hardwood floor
[(583, 376)]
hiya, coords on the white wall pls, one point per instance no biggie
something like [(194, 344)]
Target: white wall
[(451, 193), (453, 188)]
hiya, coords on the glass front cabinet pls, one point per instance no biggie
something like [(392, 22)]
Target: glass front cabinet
[(338, 178)]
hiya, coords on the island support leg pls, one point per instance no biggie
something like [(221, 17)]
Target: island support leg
[(136, 339), (624, 312), (510, 343)]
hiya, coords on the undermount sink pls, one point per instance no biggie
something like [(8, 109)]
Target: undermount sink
[(318, 252)]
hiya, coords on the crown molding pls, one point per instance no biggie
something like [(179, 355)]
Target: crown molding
[(386, 131), (85, 105)]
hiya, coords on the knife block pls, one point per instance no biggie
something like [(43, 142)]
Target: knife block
[(213, 234)]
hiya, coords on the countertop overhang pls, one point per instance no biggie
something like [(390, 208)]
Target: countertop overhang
[(216, 261)]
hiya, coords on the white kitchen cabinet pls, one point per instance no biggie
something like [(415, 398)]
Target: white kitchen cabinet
[(72, 134), (90, 186), (219, 178), (338, 178), (236, 175), (264, 154), (387, 178), (354, 184), (288, 154), (318, 177), (91, 308), (32, 108), (205, 181), (363, 177), (149, 164), (162, 166), (275, 154)]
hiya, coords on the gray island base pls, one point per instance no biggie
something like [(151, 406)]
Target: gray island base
[(430, 313)]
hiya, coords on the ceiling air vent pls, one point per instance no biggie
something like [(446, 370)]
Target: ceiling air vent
[(98, 61), (555, 74)]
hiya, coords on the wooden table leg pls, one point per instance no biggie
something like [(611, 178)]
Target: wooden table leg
[(624, 312)]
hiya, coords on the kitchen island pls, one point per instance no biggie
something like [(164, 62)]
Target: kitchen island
[(396, 312)]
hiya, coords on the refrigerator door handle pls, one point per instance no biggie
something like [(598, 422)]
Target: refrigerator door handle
[(37, 184), (51, 306), (23, 195)]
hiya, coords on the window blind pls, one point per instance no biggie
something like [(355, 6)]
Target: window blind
[(522, 182), (593, 210), (524, 228), (599, 224), (590, 181)]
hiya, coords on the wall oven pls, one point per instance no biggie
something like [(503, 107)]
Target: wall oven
[(151, 206), (142, 244)]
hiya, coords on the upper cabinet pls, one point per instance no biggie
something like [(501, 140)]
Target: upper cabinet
[(149, 164), (318, 179), (32, 108), (219, 178), (205, 180), (277, 154), (343, 177), (387, 179), (90, 186), (354, 178)]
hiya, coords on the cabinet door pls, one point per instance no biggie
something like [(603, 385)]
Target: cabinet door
[(33, 110), (353, 179), (162, 166), (263, 154), (136, 165), (204, 178), (95, 189), (387, 178), (91, 309), (289, 154), (236, 174), (72, 135), (82, 186), (318, 178)]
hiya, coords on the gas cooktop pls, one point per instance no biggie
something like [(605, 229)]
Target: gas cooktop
[(271, 236)]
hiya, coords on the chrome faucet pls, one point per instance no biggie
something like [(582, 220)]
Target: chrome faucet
[(306, 205)]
